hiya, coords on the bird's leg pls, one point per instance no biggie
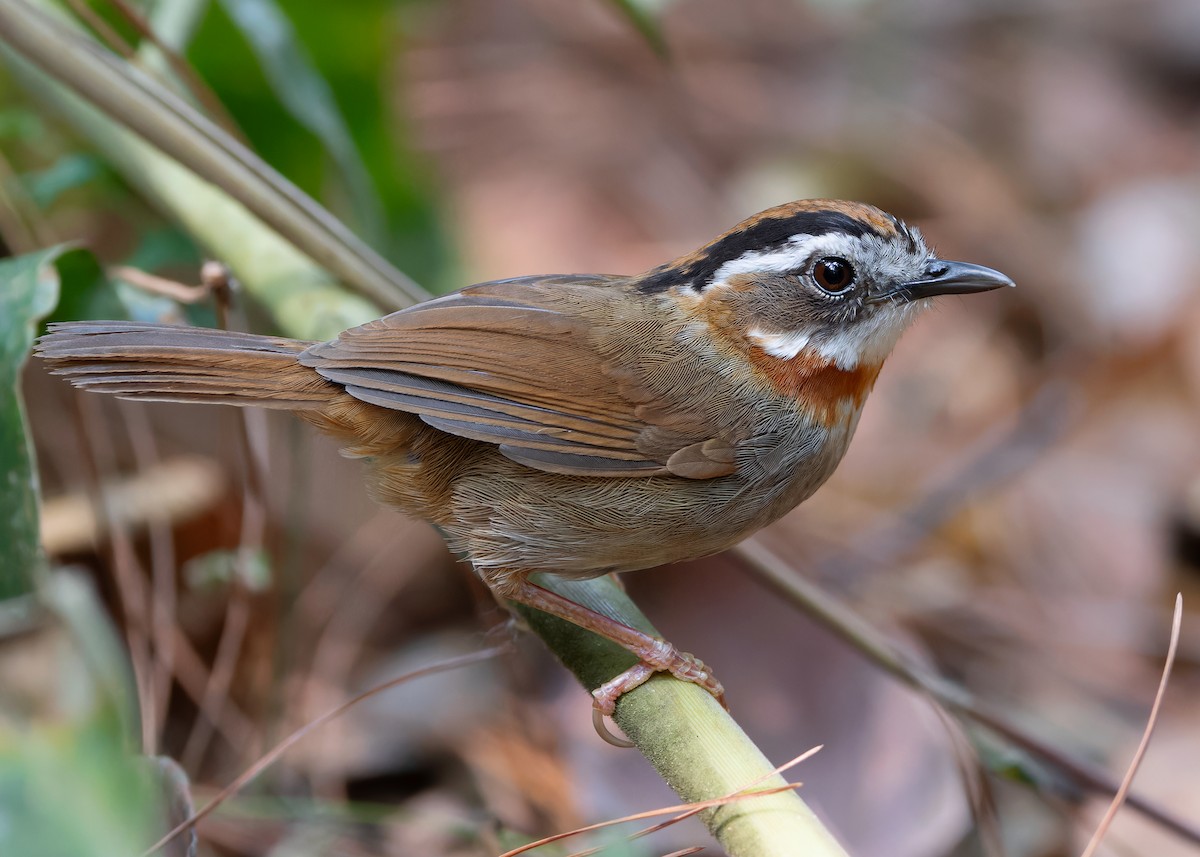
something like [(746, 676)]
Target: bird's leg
[(654, 654)]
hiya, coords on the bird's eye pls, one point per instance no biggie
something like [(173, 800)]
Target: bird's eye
[(833, 274)]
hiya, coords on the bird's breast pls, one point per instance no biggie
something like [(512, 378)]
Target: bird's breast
[(815, 383), (830, 394)]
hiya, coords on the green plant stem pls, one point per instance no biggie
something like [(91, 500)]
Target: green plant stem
[(693, 743), (142, 106), (305, 301)]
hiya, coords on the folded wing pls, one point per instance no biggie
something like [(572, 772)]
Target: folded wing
[(515, 363)]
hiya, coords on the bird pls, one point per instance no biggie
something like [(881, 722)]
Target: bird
[(586, 424)]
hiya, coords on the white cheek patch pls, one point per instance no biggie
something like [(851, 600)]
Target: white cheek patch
[(843, 349), (782, 345), (868, 340)]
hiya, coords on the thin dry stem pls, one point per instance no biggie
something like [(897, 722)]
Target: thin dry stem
[(96, 443), (193, 674), (252, 437), (807, 754), (1127, 781), (686, 808), (162, 571), (680, 812), (841, 620), (316, 604), (364, 601), (975, 783), (283, 746), (157, 285), (216, 690), (110, 37)]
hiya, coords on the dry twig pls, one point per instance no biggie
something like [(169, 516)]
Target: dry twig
[(1123, 792), (283, 746)]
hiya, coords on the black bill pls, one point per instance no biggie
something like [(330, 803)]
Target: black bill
[(952, 278)]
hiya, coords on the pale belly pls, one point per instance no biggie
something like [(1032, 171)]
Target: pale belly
[(507, 517)]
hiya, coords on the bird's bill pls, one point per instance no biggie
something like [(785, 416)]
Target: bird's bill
[(953, 278)]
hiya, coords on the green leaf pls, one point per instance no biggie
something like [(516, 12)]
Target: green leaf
[(84, 293), (354, 47), (69, 282), (305, 94), (72, 791), (70, 782), (29, 289)]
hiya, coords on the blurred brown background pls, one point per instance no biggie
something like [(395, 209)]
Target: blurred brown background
[(1020, 504)]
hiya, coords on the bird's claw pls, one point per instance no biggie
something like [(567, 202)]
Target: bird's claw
[(663, 657)]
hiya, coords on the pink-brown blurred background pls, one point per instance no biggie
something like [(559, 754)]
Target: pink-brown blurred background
[(1019, 506)]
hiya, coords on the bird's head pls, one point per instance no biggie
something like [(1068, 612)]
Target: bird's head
[(824, 280), (813, 295)]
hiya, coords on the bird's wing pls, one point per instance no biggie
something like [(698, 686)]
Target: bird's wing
[(517, 363)]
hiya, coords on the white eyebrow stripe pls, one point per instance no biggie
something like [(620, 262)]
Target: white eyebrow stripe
[(757, 262), (790, 257)]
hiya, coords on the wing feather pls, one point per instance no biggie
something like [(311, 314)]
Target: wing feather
[(520, 364)]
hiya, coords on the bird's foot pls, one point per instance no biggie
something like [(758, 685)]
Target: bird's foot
[(661, 656)]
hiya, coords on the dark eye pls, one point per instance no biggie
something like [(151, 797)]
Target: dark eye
[(833, 274)]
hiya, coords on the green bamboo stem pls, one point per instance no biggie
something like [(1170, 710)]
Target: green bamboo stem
[(694, 744), (120, 109)]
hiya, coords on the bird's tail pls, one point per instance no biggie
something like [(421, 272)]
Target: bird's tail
[(185, 364)]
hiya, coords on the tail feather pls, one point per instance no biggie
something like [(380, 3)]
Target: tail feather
[(161, 362)]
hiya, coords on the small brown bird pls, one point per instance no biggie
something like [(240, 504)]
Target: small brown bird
[(586, 424)]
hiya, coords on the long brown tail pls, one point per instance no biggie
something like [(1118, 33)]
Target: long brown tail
[(185, 364)]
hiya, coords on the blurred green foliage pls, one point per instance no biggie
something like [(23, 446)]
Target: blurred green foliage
[(72, 789), (68, 172), (350, 48), (29, 287), (70, 781), (61, 283), (68, 784), (644, 16)]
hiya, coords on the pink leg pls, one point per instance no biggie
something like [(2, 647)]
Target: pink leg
[(655, 655)]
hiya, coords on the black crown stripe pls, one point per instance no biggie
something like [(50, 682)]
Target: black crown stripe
[(763, 236)]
